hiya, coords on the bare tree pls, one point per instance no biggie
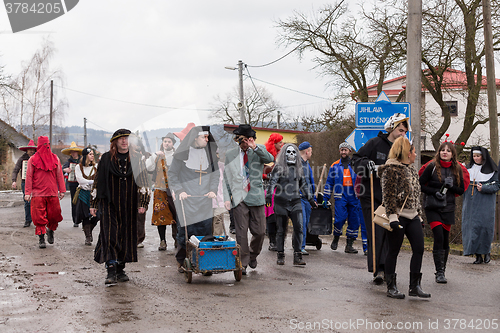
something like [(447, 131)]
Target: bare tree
[(332, 119), (28, 102), (353, 51), (261, 108)]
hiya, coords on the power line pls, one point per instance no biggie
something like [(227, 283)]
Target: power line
[(99, 126), (134, 103), (295, 48), (297, 91)]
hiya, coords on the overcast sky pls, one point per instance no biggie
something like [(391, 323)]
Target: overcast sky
[(166, 53)]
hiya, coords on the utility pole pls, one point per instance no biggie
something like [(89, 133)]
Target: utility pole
[(490, 77), (279, 119), (414, 70), (85, 132), (50, 114), (242, 98)]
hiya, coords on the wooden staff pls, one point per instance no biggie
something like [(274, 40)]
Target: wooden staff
[(320, 180), (373, 224)]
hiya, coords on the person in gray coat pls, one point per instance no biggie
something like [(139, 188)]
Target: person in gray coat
[(244, 192), (478, 209)]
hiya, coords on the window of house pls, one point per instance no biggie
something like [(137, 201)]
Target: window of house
[(452, 108)]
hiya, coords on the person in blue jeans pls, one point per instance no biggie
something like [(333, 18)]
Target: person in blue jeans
[(305, 151), (340, 182)]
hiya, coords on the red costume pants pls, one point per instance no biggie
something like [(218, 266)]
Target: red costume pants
[(45, 212)]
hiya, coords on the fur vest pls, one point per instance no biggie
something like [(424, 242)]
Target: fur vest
[(399, 181)]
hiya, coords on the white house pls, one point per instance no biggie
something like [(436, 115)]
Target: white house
[(455, 95)]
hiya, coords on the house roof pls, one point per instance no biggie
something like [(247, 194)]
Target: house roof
[(13, 136), (231, 128), (453, 80)]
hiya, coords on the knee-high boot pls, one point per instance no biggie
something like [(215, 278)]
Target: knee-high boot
[(439, 262)]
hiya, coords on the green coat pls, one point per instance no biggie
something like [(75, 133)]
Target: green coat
[(233, 176)]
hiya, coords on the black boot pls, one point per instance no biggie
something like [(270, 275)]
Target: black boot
[(439, 262), (479, 259), (27, 224), (392, 290), (297, 259), (272, 242), (281, 258), (120, 273), (41, 241), (87, 229), (50, 236), (335, 243), (415, 289), (111, 278), (487, 258), (348, 246)]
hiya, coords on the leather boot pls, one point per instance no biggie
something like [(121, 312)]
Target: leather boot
[(348, 246), (272, 243), (111, 278), (120, 273), (297, 259), (88, 234), (439, 262), (50, 236), (415, 289), (487, 258), (479, 259), (281, 258), (41, 241), (392, 290), (335, 243)]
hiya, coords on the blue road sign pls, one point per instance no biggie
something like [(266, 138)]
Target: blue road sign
[(359, 136), (375, 115)]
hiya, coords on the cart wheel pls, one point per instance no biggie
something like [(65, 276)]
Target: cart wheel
[(319, 244), (188, 271), (237, 274)]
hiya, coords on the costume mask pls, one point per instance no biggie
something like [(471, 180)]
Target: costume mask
[(291, 155)]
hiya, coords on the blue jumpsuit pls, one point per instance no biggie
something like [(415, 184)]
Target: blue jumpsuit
[(340, 181)]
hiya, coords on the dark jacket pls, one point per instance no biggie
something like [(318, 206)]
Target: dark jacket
[(288, 188), (376, 149), (430, 184), (19, 165)]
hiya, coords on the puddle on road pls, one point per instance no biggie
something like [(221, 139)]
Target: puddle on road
[(55, 273)]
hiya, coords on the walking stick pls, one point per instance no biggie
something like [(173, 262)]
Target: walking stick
[(185, 224), (373, 224), (320, 180)]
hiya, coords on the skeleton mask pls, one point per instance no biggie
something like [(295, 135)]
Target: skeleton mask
[(291, 155)]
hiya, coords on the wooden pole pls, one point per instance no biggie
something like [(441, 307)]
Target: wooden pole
[(373, 225)]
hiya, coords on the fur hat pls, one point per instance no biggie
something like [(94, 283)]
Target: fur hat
[(395, 120)]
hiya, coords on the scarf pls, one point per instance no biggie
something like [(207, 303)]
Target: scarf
[(445, 164), (44, 158)]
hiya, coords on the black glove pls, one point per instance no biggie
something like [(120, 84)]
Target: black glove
[(371, 166), (313, 203), (440, 195), (394, 225), (448, 182)]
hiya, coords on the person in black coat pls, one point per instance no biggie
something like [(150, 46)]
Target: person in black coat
[(373, 154), (442, 178)]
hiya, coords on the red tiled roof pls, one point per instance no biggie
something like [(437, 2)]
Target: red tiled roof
[(230, 128)]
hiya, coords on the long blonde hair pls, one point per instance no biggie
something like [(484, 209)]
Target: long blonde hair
[(400, 149)]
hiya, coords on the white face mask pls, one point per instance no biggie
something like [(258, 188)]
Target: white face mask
[(291, 155)]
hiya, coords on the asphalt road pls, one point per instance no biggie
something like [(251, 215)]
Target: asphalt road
[(61, 289)]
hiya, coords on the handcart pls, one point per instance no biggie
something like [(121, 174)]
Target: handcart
[(211, 254), (320, 221)]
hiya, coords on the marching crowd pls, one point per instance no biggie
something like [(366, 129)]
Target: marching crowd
[(263, 187)]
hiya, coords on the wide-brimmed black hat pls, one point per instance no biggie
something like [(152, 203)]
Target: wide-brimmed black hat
[(245, 130), (119, 133)]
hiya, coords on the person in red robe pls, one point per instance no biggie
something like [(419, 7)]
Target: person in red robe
[(44, 188)]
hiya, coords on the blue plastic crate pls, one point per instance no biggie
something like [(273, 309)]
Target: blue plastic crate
[(214, 256)]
